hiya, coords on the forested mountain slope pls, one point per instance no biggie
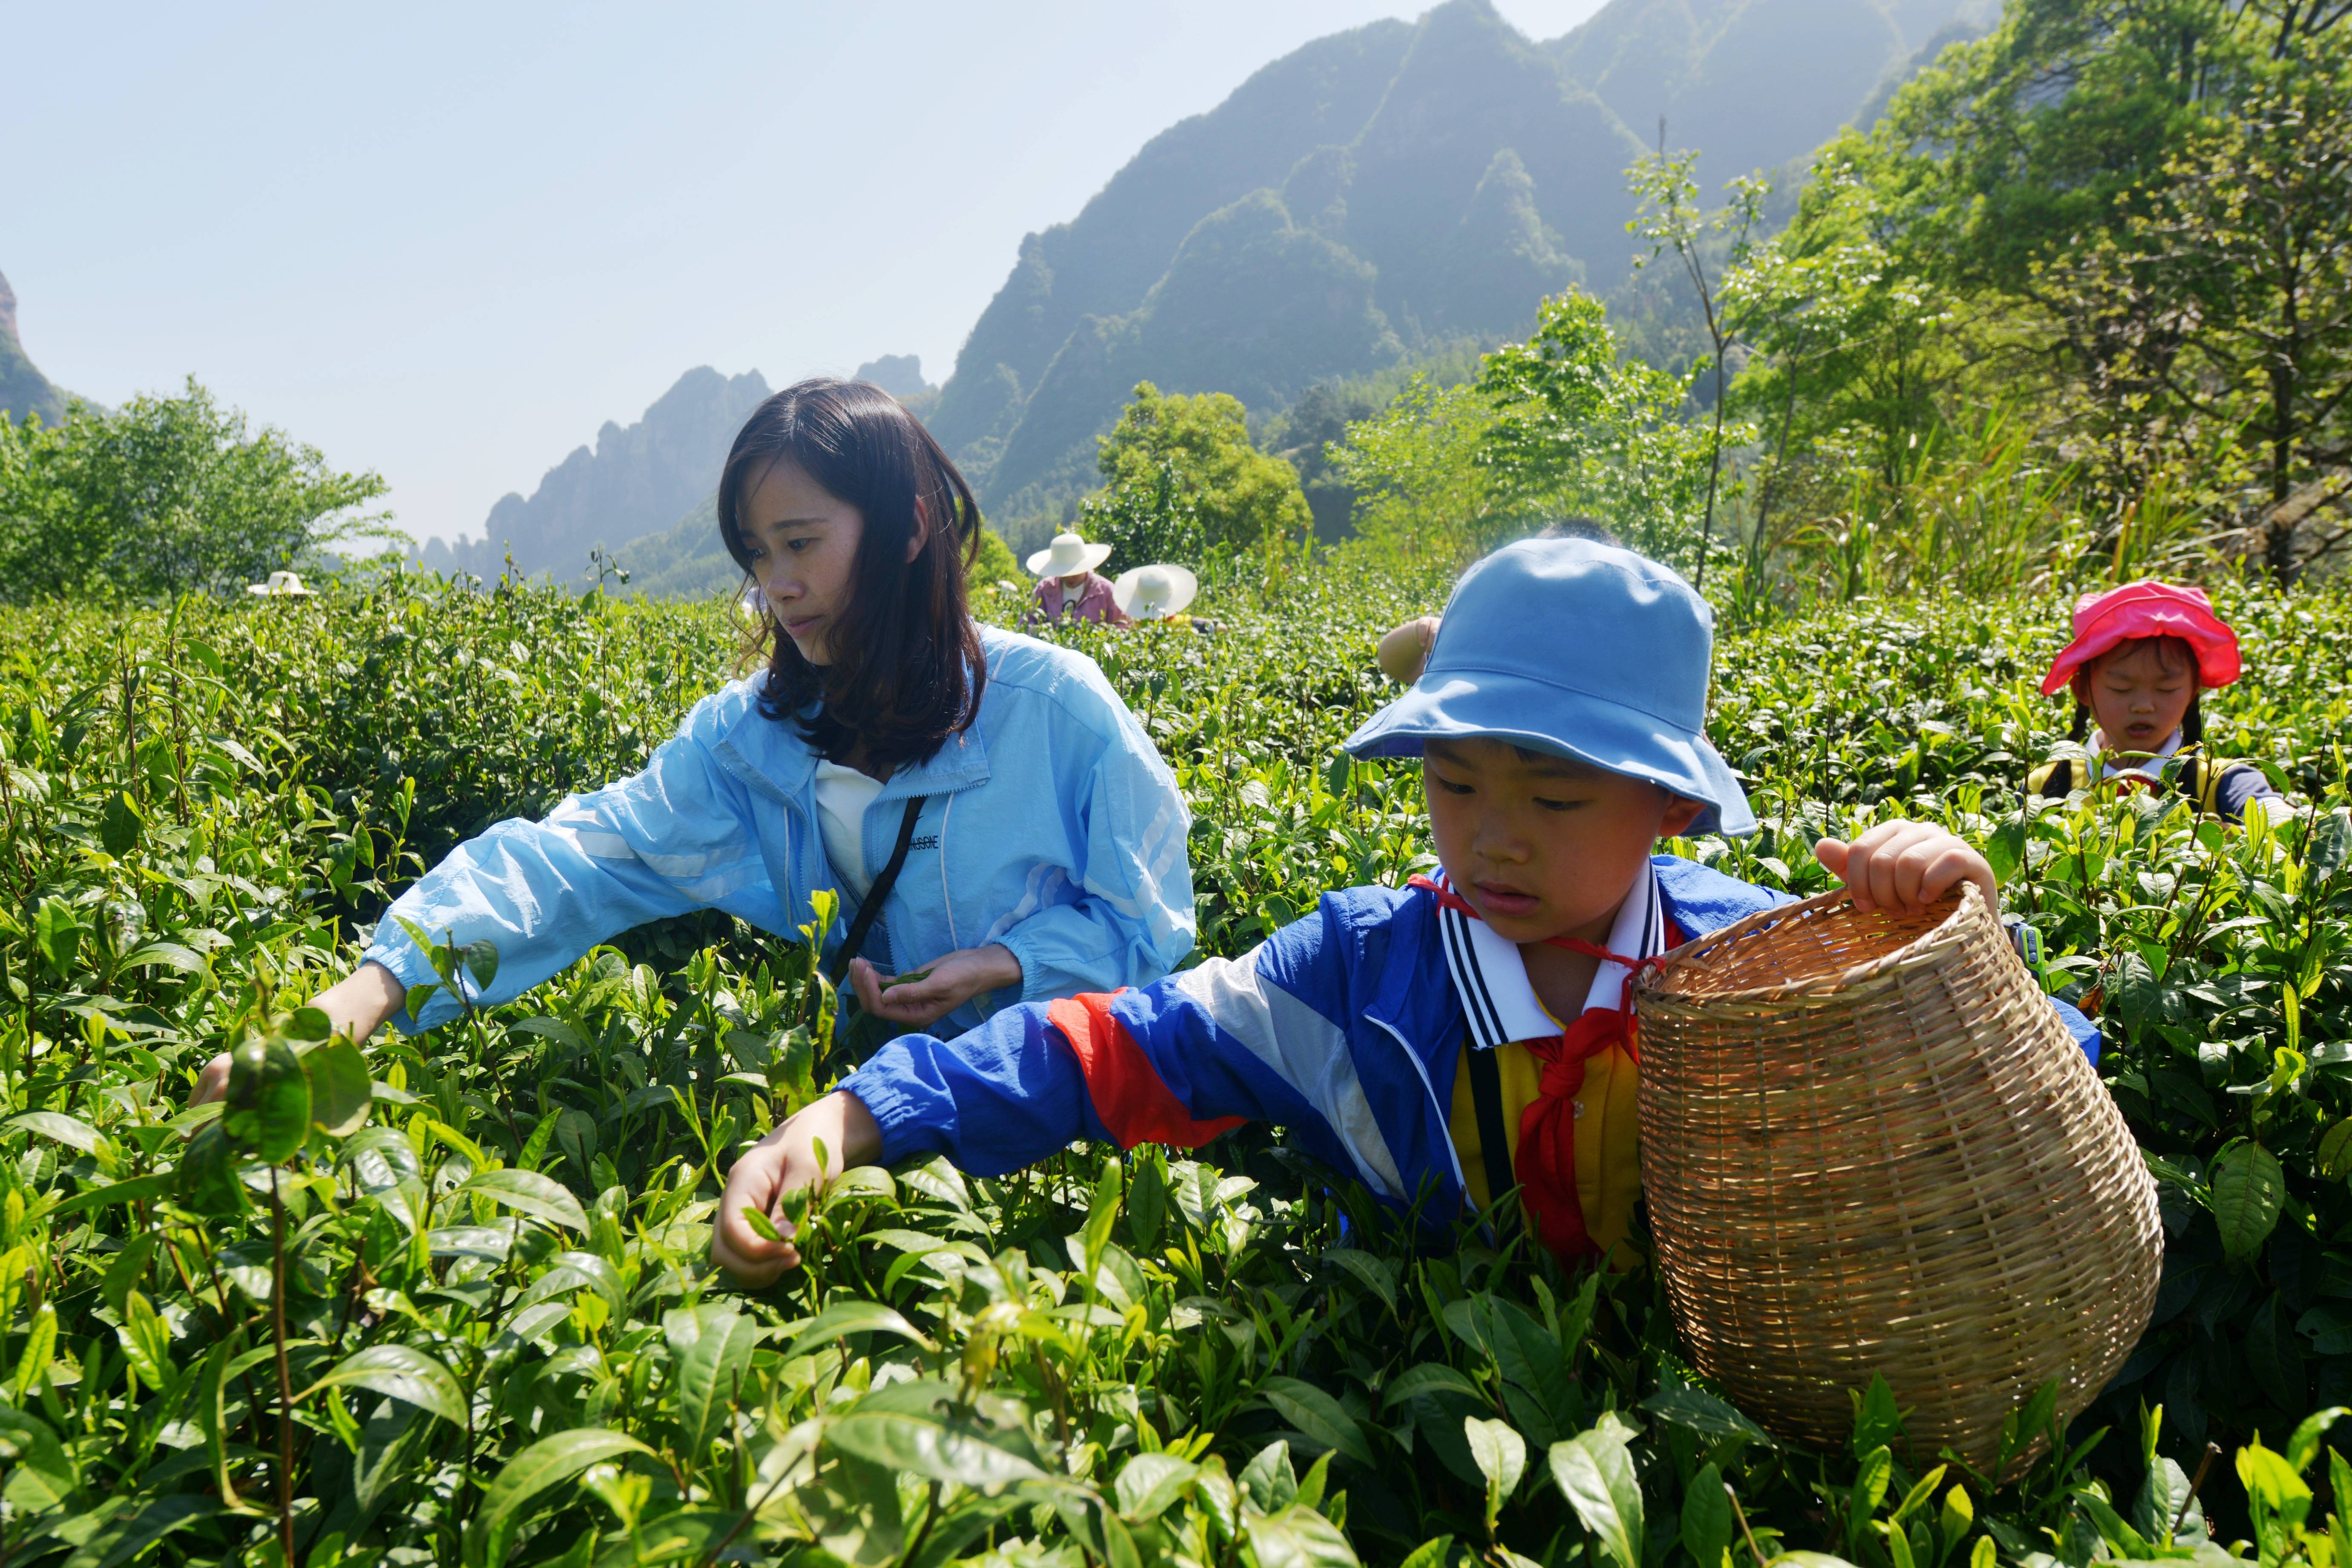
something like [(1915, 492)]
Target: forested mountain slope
[(23, 388), (1382, 191)]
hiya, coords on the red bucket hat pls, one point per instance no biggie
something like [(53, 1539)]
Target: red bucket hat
[(2147, 609)]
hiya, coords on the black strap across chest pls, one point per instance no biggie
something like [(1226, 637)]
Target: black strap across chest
[(1486, 1099), (870, 910)]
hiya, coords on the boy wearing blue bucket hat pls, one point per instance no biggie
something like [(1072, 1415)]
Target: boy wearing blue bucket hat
[(1445, 1041)]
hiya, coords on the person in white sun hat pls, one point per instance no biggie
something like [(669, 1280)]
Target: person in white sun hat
[(1157, 594), (1071, 589), (282, 585)]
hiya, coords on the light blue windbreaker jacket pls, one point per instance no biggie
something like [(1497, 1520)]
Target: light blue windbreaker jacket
[(1051, 826)]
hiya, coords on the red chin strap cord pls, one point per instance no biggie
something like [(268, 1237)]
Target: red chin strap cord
[(1546, 1165)]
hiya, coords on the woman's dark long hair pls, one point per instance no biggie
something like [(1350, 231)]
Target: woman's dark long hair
[(906, 669)]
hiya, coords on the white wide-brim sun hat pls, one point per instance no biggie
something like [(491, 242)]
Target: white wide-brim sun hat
[(282, 585), (1067, 556), (1147, 593)]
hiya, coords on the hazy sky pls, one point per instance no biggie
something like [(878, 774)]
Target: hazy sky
[(448, 243)]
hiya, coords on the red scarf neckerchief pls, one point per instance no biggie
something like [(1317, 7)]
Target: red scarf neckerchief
[(1546, 1165)]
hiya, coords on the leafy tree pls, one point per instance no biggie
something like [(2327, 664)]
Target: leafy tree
[(1148, 514), (1185, 482), (2215, 327), (1669, 218), (165, 496), (1852, 350), (1580, 429), (1423, 494), (994, 561)]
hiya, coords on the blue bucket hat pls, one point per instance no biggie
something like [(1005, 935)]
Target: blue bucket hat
[(1582, 649)]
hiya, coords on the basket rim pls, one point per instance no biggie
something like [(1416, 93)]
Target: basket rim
[(1965, 901)]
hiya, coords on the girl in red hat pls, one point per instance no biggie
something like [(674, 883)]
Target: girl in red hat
[(2140, 655)]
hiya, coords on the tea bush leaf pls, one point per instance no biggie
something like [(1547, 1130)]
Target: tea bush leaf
[(711, 1348), (1319, 1417), (341, 1093), (1502, 1457), (70, 1131), (268, 1104), (528, 1192), (1298, 1537), (1695, 1410), (207, 1173), (2248, 1189), (1706, 1522), (1596, 1475), (1148, 1483), (402, 1373), (550, 1462), (916, 1428), (845, 1318)]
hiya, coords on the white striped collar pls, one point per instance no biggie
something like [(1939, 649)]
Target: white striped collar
[(1491, 978)]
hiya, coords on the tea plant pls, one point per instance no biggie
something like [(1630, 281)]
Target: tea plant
[(447, 1299)]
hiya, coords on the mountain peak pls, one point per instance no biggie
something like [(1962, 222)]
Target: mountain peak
[(900, 375), (637, 479)]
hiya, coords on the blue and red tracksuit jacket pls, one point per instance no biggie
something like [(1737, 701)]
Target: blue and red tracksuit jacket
[(1344, 1027)]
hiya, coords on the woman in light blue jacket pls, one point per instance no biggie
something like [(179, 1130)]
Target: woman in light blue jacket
[(1044, 839)]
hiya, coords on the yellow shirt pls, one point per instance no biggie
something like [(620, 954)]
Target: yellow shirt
[(1608, 1136)]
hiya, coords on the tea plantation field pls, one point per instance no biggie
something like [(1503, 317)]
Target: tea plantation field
[(448, 1300)]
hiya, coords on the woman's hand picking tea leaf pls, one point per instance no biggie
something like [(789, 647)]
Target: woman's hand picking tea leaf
[(922, 997)]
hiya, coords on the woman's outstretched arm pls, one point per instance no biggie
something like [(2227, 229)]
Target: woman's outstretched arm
[(671, 839)]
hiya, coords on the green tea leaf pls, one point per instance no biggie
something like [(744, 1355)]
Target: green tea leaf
[(1319, 1417), (2248, 1189), (402, 1373), (41, 1475), (1501, 1455), (2304, 1446), (1695, 1410), (207, 1173), (917, 1429), (70, 1131), (268, 1100), (340, 1090), (528, 1192), (1148, 1483), (711, 1351), (58, 934), (482, 960), (1267, 1480), (1707, 1523), (550, 1462), (1596, 1475), (1297, 1538), (845, 1318)]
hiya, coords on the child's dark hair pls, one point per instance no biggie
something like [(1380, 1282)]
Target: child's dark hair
[(908, 668)]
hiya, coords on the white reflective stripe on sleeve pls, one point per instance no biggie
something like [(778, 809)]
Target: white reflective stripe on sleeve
[(586, 829), (707, 876), (1305, 1049)]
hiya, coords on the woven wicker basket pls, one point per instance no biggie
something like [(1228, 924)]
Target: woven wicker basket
[(1869, 1146)]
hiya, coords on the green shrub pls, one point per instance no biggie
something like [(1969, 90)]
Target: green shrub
[(165, 495)]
